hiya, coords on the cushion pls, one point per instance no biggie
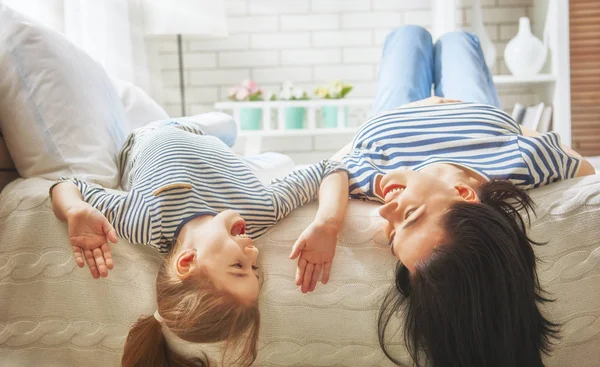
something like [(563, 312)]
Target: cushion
[(59, 112), (139, 106)]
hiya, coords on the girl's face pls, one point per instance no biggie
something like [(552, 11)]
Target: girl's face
[(222, 248), (415, 202)]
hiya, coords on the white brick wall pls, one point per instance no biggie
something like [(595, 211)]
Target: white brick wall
[(310, 42)]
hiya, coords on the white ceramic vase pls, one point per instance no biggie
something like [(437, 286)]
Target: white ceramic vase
[(487, 46), (525, 54)]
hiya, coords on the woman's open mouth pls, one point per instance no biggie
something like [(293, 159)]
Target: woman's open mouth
[(391, 191)]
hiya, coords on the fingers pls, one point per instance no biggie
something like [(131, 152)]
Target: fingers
[(89, 258), (300, 271), (78, 256), (315, 277), (110, 232), (100, 263), (307, 277), (326, 270), (297, 249), (107, 256)]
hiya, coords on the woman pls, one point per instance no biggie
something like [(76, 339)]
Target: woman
[(451, 178), (192, 199)]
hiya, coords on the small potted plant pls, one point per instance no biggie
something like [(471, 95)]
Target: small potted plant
[(250, 117), (334, 90), (294, 116)]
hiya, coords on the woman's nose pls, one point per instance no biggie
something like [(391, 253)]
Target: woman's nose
[(386, 210)]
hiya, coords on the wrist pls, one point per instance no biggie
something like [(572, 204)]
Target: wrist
[(76, 208), (331, 223)]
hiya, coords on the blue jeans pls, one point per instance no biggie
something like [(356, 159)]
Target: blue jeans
[(411, 64)]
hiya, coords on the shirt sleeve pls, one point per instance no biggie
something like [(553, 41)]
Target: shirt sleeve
[(128, 213), (301, 186), (362, 177), (546, 160)]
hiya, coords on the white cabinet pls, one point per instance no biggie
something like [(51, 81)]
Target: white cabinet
[(552, 85)]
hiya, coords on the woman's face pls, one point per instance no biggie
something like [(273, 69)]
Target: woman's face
[(227, 254), (415, 201)]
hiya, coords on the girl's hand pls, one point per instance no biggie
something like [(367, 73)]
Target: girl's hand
[(315, 248), (89, 234)]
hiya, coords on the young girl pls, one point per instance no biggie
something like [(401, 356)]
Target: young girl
[(451, 178), (192, 199)]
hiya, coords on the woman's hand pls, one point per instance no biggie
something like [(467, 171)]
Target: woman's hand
[(89, 234), (431, 101), (315, 248)]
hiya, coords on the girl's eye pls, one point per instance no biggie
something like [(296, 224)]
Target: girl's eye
[(409, 213), (254, 267), (238, 265)]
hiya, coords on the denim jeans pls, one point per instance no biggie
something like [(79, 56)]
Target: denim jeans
[(411, 64)]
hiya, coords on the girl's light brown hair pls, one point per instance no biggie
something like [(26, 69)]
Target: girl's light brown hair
[(196, 311)]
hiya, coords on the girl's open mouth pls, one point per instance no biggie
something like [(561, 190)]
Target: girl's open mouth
[(238, 228)]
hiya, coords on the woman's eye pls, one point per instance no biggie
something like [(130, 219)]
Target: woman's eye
[(238, 265), (409, 213), (254, 267)]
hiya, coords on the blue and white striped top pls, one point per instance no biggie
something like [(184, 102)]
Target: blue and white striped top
[(177, 173), (478, 137)]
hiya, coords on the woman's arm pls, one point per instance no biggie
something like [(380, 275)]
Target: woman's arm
[(585, 168)]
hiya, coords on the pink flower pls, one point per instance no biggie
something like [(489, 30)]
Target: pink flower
[(250, 85), (232, 92), (241, 94)]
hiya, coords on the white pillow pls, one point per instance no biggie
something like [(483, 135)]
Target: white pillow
[(59, 111), (139, 106)]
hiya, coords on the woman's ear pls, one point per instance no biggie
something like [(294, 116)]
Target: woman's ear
[(185, 263), (467, 193)]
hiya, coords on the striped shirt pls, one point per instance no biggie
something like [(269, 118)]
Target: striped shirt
[(176, 173), (477, 137)]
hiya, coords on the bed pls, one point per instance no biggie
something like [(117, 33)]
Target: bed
[(55, 314)]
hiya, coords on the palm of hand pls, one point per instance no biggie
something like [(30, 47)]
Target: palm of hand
[(89, 234), (86, 229), (315, 250)]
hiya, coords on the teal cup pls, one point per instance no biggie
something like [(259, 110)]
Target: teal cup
[(250, 118), (294, 117), (330, 117)]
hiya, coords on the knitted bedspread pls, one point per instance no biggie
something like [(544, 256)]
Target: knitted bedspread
[(54, 314)]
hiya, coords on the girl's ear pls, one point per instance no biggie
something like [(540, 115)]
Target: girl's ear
[(184, 263), (467, 193)]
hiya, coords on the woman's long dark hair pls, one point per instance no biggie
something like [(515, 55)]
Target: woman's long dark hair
[(474, 301)]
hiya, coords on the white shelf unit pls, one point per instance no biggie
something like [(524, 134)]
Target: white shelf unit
[(512, 80), (254, 137), (553, 85)]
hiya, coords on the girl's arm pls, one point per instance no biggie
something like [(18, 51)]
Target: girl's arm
[(89, 230), (315, 248), (316, 245)]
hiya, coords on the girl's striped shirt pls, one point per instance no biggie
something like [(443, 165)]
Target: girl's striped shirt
[(478, 137), (176, 173)]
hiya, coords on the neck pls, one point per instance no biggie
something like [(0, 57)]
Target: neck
[(186, 235), (451, 173)]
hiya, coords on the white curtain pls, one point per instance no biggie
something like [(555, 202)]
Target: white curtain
[(110, 31)]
